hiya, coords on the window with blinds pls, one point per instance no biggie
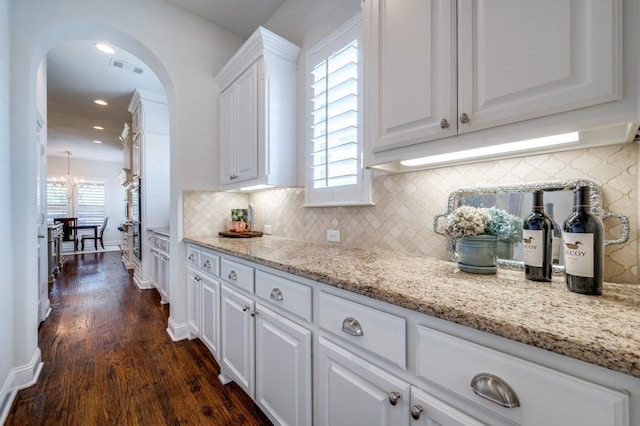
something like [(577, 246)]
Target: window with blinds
[(57, 198), (91, 197), (334, 161), (82, 197)]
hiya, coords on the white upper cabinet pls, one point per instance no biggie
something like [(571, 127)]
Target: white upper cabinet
[(257, 113), (438, 69)]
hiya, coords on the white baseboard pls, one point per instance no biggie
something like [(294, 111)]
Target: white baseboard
[(143, 284), (178, 331), (19, 378)]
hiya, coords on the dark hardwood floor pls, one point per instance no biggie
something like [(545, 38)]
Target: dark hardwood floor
[(109, 361)]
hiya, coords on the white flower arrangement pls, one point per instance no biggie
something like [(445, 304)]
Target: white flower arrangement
[(467, 221)]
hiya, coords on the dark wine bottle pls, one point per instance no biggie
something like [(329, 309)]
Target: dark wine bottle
[(537, 235), (556, 241), (583, 245)]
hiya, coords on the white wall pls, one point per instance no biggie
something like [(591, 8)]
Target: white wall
[(6, 260), (305, 23), (184, 51), (57, 166)]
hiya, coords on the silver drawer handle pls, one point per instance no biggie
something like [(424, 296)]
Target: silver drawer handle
[(416, 411), (245, 308), (276, 294), (394, 397), (191, 257), (207, 264), (495, 390), (352, 327), (232, 275)]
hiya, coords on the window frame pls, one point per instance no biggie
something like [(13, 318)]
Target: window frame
[(346, 195)]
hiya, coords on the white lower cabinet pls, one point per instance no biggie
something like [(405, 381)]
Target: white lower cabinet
[(210, 314), (238, 335), (373, 363), (353, 391), (283, 368), (193, 301)]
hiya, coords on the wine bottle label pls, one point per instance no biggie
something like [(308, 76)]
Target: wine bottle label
[(533, 247), (578, 254)]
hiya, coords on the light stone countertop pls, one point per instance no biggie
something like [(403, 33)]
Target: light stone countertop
[(602, 330)]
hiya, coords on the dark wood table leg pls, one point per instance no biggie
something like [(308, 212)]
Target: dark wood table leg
[(95, 238)]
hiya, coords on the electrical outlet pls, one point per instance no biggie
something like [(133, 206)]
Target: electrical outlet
[(333, 236), (267, 229)]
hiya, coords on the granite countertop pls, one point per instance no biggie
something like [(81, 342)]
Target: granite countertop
[(161, 231), (602, 330)]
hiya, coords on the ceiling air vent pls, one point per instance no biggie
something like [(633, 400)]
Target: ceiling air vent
[(125, 66)]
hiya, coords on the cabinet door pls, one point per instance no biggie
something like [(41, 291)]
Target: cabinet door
[(210, 308), (239, 128), (163, 278), (409, 71), (523, 59), (427, 410), (193, 302), (238, 334), (353, 391), (283, 368)]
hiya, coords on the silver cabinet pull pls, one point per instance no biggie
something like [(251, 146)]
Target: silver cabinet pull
[(254, 313), (464, 118), (245, 308), (394, 397), (352, 327), (416, 411), (495, 390), (444, 123), (233, 275), (191, 257), (276, 294), (207, 264), (233, 177)]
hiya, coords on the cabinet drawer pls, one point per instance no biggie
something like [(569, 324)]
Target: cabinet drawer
[(545, 396), (376, 331), (237, 274), (210, 263), (193, 256), (289, 295)]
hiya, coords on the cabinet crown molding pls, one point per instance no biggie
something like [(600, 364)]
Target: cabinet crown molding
[(261, 43), (146, 95)]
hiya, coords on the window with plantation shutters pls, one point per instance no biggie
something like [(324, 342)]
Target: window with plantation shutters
[(57, 198), (334, 149), (81, 197), (90, 200)]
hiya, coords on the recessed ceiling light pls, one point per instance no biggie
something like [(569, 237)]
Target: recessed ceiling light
[(97, 141), (103, 47), (100, 102), (98, 127)]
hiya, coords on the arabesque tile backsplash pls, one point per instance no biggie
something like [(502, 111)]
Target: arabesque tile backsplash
[(405, 204)]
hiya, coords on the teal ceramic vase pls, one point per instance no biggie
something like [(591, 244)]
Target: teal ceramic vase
[(505, 249), (478, 254)]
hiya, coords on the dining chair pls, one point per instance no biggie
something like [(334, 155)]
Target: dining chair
[(98, 237)]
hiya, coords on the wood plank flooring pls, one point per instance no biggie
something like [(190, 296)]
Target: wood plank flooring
[(109, 361)]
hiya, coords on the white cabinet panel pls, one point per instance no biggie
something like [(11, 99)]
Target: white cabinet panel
[(520, 60), (238, 334), (283, 368), (356, 392), (410, 69), (546, 396), (193, 301), (210, 309), (427, 410)]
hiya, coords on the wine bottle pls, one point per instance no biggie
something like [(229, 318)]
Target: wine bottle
[(556, 241), (537, 234), (583, 245)]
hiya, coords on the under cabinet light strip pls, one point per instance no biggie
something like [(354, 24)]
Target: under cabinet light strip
[(524, 145)]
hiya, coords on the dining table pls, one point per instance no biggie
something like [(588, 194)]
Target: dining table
[(95, 234)]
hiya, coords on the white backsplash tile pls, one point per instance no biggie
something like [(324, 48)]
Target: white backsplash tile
[(405, 204)]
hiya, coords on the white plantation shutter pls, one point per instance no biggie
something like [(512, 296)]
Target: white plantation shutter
[(334, 167), (57, 198), (91, 197)]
